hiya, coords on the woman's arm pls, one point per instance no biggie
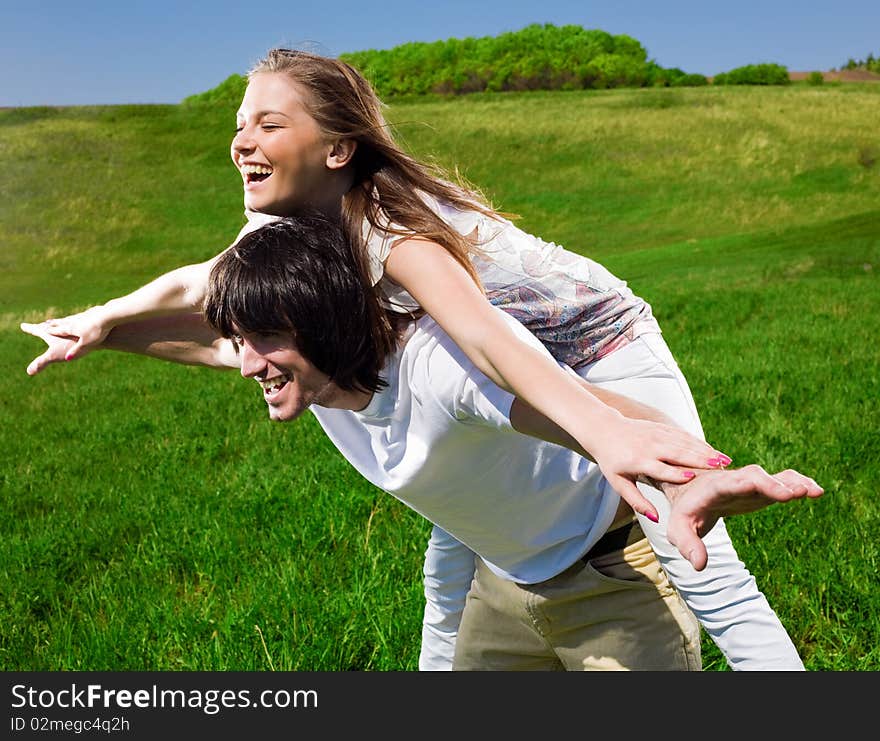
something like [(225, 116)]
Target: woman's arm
[(182, 338), (623, 448), (179, 291)]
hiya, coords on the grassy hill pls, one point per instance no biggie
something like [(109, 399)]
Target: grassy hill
[(153, 518)]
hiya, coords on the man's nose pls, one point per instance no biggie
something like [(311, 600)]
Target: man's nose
[(252, 363)]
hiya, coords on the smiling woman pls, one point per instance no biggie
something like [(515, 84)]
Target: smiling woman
[(287, 163)]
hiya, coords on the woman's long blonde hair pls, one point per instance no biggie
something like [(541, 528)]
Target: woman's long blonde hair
[(386, 179)]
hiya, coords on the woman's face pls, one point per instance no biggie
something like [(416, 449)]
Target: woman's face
[(283, 157)]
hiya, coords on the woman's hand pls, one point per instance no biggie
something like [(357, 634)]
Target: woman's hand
[(630, 443), (88, 329), (59, 346), (633, 449)]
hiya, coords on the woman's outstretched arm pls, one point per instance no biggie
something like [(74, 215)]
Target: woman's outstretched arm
[(179, 291), (181, 338), (624, 448)]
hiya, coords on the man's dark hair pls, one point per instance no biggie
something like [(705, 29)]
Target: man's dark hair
[(300, 275)]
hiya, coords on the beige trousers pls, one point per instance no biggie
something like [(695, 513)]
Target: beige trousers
[(617, 612)]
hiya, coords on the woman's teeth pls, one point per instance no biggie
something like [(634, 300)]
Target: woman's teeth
[(255, 172)]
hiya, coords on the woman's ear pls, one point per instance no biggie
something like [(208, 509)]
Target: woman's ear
[(341, 153)]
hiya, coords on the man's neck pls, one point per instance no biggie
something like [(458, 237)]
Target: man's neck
[(357, 401), (333, 397)]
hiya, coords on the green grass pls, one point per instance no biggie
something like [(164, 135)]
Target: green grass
[(152, 518)]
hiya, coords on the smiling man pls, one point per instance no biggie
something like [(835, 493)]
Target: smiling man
[(565, 577)]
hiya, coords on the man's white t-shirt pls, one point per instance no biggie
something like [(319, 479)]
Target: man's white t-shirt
[(439, 439)]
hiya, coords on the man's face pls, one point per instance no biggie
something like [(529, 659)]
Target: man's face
[(290, 382)]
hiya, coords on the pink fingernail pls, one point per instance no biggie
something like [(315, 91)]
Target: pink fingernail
[(716, 462), (688, 474), (726, 460), (68, 357), (652, 517)]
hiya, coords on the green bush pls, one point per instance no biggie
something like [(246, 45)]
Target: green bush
[(754, 74), (691, 80), (815, 78), (657, 76), (537, 57)]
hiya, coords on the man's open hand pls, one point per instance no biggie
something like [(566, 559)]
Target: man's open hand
[(697, 505)]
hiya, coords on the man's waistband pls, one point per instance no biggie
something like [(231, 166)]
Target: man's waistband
[(614, 540)]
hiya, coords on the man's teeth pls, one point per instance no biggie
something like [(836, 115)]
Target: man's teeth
[(273, 384)]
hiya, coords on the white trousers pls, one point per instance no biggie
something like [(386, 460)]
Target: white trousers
[(724, 597)]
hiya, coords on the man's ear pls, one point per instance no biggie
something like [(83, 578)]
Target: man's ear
[(341, 153)]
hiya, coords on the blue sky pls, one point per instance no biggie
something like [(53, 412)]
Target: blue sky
[(75, 52)]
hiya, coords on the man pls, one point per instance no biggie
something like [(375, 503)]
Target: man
[(564, 578)]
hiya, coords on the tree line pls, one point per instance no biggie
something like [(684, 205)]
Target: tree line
[(538, 57), (870, 63)]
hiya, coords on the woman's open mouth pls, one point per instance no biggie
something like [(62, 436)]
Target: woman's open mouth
[(254, 174)]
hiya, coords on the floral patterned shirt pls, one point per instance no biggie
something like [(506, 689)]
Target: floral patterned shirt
[(576, 307)]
